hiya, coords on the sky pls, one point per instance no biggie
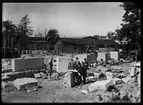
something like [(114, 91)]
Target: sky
[(70, 19)]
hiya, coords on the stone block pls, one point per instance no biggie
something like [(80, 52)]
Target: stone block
[(69, 79), (103, 55), (97, 75), (100, 85), (116, 81), (84, 91), (139, 80), (128, 78), (27, 63), (109, 75), (25, 83), (62, 63), (114, 55), (3, 84), (132, 71), (43, 75), (101, 69), (37, 75)]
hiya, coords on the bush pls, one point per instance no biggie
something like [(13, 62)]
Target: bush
[(118, 99)]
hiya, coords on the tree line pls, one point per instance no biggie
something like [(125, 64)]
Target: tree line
[(129, 34), (16, 37)]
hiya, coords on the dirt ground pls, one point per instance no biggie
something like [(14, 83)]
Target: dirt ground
[(53, 92), (50, 91)]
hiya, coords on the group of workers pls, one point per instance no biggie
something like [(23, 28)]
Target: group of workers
[(80, 68)]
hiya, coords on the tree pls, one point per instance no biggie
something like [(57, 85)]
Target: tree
[(52, 37), (131, 27), (8, 31), (111, 35), (24, 31), (8, 35), (96, 36)]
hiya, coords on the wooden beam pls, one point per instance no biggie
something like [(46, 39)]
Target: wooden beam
[(87, 49)]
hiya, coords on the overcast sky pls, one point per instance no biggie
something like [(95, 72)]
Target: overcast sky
[(70, 19)]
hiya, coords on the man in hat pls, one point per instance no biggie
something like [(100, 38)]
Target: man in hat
[(71, 65), (51, 67), (84, 70), (78, 68)]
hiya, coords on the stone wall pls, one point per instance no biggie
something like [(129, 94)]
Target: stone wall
[(62, 63), (103, 55), (114, 55), (20, 64)]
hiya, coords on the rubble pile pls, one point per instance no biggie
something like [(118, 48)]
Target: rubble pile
[(112, 82), (15, 75), (6, 65), (67, 80), (116, 75), (26, 84)]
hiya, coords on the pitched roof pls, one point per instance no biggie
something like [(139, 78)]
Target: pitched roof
[(37, 38), (87, 41), (70, 40)]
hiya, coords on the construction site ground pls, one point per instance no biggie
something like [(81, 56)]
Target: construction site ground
[(52, 91)]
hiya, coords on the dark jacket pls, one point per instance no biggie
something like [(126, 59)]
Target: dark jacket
[(79, 67), (71, 65), (85, 65), (51, 64)]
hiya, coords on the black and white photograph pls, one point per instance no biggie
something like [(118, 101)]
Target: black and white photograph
[(71, 52)]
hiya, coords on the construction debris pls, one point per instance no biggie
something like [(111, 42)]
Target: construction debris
[(121, 75), (37, 75), (43, 75), (55, 75), (3, 84), (117, 81), (128, 78), (102, 76), (68, 80), (26, 83), (97, 75), (84, 91), (100, 85), (109, 75)]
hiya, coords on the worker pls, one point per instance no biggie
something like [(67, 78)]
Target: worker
[(71, 65), (101, 62), (79, 73), (84, 70), (77, 61), (77, 67), (51, 67)]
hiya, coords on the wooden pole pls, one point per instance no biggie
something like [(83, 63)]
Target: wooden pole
[(136, 55), (4, 46), (8, 41), (87, 47), (45, 31), (18, 45), (11, 44)]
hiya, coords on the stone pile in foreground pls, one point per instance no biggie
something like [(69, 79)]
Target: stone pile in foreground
[(26, 83)]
